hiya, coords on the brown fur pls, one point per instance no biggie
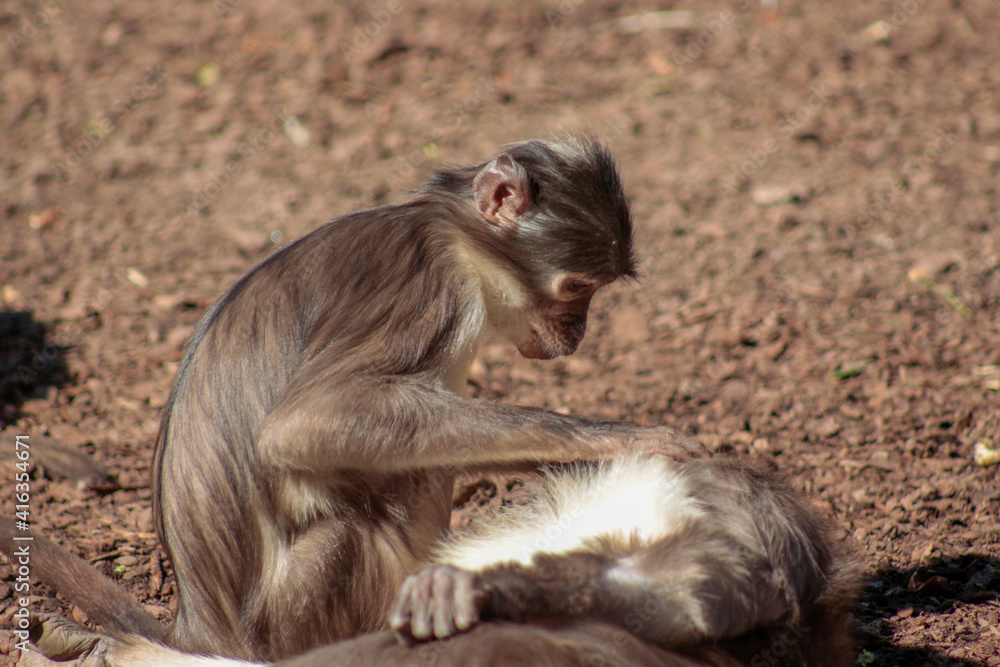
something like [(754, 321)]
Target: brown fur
[(298, 473), (752, 579), (740, 559)]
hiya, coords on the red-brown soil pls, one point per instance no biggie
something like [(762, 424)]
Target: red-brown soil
[(817, 207)]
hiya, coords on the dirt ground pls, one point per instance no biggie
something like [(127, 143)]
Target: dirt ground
[(815, 187)]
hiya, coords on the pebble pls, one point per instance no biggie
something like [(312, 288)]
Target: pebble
[(769, 195)]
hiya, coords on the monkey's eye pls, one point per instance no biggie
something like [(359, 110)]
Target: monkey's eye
[(574, 287)]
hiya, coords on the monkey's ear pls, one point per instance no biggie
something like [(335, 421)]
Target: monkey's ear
[(502, 191)]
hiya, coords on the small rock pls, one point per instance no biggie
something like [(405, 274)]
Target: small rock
[(11, 297), (877, 33), (144, 520), (712, 441), (168, 301), (136, 277), (932, 265), (297, 133), (161, 613), (208, 75), (79, 615), (861, 496), (45, 218), (769, 195), (127, 561), (928, 555), (112, 35), (477, 369), (742, 437), (827, 427), (985, 453), (178, 336)]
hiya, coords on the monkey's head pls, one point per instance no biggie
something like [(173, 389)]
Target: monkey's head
[(555, 227)]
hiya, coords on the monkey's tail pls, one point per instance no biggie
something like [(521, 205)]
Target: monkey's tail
[(104, 601)]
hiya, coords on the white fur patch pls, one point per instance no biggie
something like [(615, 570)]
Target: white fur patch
[(456, 374), (642, 499), (624, 572), (505, 297)]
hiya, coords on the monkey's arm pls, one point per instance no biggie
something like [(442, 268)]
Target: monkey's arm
[(697, 586), (394, 424)]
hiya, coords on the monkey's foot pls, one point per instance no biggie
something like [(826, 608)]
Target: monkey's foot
[(437, 602), (57, 640)]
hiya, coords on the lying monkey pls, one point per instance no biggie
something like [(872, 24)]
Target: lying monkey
[(644, 561)]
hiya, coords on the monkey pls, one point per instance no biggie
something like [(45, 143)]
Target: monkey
[(640, 561), (678, 553), (306, 456)]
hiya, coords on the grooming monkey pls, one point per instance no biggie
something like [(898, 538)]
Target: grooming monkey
[(643, 561), (305, 458)]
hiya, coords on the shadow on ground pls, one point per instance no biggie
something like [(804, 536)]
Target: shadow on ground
[(898, 604), (29, 364)]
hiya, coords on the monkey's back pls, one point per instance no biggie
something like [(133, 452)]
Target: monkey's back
[(217, 504)]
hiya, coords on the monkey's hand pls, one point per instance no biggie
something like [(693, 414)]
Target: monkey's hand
[(665, 441), (437, 602)]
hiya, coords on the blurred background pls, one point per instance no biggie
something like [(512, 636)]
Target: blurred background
[(814, 185)]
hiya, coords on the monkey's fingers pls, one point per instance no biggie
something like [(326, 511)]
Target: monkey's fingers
[(402, 611), (469, 600), (445, 585), (436, 602)]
